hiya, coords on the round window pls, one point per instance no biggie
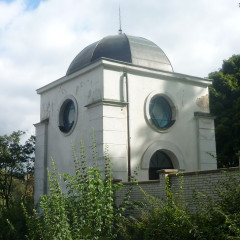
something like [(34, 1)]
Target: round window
[(161, 112), (67, 116)]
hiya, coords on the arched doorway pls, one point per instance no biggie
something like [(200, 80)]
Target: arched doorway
[(159, 160)]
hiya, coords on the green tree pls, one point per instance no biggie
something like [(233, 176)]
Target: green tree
[(225, 105), (16, 163)]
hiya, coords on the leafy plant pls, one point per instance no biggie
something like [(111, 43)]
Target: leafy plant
[(225, 105), (16, 183), (16, 163), (85, 210), (220, 219), (169, 218), (160, 219)]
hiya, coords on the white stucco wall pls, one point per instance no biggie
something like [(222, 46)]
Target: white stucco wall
[(185, 94), (85, 89)]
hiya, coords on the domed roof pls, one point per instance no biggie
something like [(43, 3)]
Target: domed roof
[(134, 50)]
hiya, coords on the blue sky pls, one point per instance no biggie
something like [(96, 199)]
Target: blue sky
[(39, 39), (30, 4)]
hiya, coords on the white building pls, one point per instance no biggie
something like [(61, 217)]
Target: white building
[(149, 116)]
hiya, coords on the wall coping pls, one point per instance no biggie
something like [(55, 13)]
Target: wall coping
[(44, 121), (168, 171), (203, 115), (231, 169), (109, 102), (171, 174), (141, 182)]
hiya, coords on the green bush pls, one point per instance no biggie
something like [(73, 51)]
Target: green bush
[(220, 219), (85, 211), (12, 217), (12, 222), (159, 219), (169, 219)]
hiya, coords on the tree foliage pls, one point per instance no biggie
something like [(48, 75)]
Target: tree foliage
[(16, 163), (225, 105), (16, 183)]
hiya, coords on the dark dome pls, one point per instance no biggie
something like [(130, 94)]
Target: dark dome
[(135, 50)]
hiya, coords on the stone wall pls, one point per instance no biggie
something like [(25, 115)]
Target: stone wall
[(185, 184)]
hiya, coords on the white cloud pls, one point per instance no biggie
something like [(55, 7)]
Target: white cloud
[(9, 12), (37, 45)]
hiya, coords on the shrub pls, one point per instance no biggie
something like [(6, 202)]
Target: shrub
[(169, 219), (85, 211), (12, 222), (160, 220), (220, 219)]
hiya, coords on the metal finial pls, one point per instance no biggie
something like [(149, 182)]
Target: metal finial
[(120, 27)]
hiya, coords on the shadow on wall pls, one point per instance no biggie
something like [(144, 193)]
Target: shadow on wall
[(179, 141)]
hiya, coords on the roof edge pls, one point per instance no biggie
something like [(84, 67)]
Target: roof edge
[(125, 67)]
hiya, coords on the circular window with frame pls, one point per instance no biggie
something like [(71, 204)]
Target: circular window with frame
[(160, 111), (68, 115)]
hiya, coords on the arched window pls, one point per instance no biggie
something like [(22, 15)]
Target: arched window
[(159, 160)]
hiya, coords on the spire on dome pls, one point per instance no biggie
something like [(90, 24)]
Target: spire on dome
[(120, 27)]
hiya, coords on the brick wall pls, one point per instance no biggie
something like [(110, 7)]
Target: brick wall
[(184, 184), (150, 187)]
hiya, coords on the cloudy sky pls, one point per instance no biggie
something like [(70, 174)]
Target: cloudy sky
[(39, 39)]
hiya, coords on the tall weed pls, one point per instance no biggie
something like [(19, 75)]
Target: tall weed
[(85, 211)]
